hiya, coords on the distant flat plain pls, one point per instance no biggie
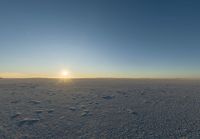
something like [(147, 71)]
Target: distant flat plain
[(99, 109)]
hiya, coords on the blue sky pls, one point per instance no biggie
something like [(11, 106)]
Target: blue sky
[(100, 38)]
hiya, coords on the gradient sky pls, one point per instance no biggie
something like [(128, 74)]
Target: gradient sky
[(100, 38)]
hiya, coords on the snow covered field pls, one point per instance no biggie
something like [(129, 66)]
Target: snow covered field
[(99, 109)]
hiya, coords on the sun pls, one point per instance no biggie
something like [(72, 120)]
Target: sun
[(65, 74)]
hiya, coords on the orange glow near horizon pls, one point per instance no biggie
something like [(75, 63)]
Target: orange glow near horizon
[(67, 74), (62, 74), (24, 75)]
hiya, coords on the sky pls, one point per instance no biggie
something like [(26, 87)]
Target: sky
[(100, 38)]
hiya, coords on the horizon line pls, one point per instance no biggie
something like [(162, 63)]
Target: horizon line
[(178, 78)]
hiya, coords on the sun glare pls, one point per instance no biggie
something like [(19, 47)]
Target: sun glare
[(65, 74)]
